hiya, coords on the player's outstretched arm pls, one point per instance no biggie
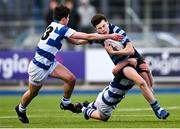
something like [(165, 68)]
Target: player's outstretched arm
[(77, 41), (85, 36)]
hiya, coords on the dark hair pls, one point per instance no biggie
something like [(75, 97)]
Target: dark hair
[(96, 19), (60, 11)]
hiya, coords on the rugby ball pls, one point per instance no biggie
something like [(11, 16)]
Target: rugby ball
[(117, 45)]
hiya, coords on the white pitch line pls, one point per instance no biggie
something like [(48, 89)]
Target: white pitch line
[(145, 109), (91, 128), (147, 115), (118, 109), (35, 116), (76, 116)]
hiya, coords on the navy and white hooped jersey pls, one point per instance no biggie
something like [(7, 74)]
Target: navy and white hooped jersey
[(50, 44), (116, 29), (116, 91), (124, 41)]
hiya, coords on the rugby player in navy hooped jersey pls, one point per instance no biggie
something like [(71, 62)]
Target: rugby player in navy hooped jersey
[(103, 27), (126, 77), (44, 64)]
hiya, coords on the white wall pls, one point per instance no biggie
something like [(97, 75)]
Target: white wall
[(164, 64), (98, 66)]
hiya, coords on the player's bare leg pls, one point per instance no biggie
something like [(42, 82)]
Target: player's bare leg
[(96, 115), (69, 79), (25, 100), (67, 76), (145, 68), (131, 73), (93, 113), (146, 75), (30, 94)]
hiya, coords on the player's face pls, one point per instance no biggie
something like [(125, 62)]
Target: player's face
[(103, 27)]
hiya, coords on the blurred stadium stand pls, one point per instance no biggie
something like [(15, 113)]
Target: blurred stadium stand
[(22, 22)]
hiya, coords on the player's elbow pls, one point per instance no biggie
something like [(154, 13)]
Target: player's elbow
[(131, 51), (89, 37), (115, 72)]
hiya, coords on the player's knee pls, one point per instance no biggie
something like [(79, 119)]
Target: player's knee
[(33, 93), (105, 118), (71, 79), (141, 82)]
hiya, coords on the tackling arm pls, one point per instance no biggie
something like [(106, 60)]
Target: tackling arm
[(77, 41), (119, 66), (128, 50), (85, 36)]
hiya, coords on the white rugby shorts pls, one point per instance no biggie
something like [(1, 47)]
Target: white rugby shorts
[(104, 109), (37, 75)]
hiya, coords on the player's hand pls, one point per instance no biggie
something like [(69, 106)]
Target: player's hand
[(108, 48), (133, 62), (116, 37)]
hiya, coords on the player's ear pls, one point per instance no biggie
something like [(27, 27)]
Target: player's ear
[(63, 20)]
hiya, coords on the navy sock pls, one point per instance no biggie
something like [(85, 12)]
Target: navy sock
[(88, 111)]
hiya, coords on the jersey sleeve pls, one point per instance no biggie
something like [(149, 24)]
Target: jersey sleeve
[(64, 31), (69, 32), (125, 40), (120, 31)]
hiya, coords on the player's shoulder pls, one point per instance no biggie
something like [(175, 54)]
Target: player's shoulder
[(58, 25), (114, 26)]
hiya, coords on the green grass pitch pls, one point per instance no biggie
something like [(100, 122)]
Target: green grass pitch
[(132, 112)]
